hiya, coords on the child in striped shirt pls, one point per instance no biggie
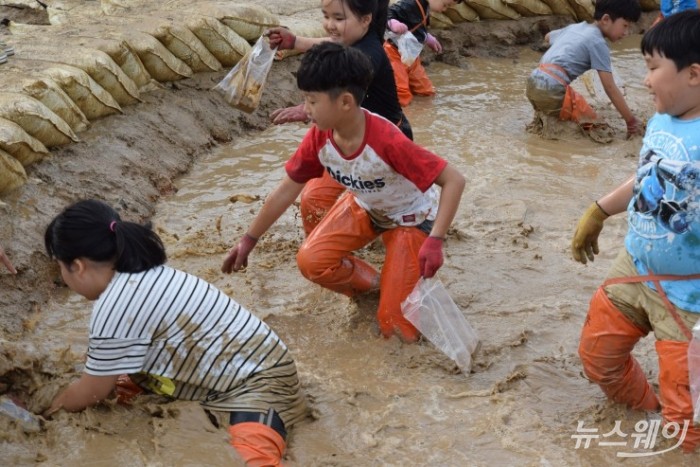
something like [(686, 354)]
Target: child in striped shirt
[(171, 332)]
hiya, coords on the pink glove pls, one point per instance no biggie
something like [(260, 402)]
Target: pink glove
[(281, 38), (634, 127), (433, 43), (396, 26), (430, 257), (237, 258), (290, 114)]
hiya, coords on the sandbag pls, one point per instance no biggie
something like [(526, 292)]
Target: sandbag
[(301, 28), (118, 50), (248, 20), (19, 144), (227, 46), (12, 174), (161, 64), (440, 21), (36, 119), (94, 62), (461, 12), (529, 7), (183, 43), (493, 9), (46, 91), (89, 96), (583, 9), (560, 8)]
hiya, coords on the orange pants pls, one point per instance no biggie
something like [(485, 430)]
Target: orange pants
[(410, 80), (326, 259), (317, 197), (607, 340), (258, 444)]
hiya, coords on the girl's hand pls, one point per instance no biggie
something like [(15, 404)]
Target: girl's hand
[(397, 27), (281, 38), (432, 42)]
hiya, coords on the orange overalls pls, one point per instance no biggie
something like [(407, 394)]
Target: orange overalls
[(412, 79), (574, 107)]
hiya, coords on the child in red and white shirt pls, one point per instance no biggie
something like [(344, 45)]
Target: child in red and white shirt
[(390, 185)]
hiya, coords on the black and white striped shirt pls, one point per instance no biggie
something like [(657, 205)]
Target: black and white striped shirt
[(169, 323)]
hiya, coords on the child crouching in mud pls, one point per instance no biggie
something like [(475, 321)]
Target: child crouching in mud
[(390, 185), (574, 50), (172, 332)]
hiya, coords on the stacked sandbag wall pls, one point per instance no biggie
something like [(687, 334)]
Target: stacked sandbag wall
[(95, 58)]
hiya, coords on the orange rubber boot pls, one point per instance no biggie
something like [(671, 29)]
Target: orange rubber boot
[(607, 340), (258, 444), (674, 389), (400, 274)]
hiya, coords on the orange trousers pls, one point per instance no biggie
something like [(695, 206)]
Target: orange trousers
[(410, 80), (258, 444), (326, 258), (317, 197), (607, 340)]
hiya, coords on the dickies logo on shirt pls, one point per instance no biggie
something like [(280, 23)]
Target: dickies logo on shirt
[(356, 184)]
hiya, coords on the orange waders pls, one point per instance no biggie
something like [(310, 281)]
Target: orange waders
[(258, 444), (317, 197), (574, 107), (607, 340), (410, 80), (326, 259)]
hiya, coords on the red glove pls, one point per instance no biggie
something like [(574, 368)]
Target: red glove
[(634, 127), (126, 390), (237, 258), (396, 26), (430, 257), (289, 114), (281, 38), (432, 42)]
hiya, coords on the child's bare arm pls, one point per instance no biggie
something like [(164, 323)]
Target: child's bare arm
[(82, 393), (634, 125), (452, 184), (276, 203), (617, 200)]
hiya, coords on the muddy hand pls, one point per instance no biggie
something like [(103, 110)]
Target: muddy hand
[(635, 127), (237, 258), (289, 114), (585, 242)]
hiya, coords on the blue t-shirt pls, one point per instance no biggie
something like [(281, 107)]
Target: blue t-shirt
[(577, 48), (669, 7), (664, 213)]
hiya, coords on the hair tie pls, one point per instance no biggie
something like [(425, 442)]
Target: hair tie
[(112, 225)]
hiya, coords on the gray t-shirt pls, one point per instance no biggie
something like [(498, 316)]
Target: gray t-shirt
[(577, 48)]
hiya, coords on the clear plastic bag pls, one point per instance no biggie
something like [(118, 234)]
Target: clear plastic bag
[(431, 310), (694, 371), (243, 85), (408, 45)]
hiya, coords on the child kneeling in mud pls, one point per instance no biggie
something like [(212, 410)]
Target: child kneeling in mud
[(390, 191), (574, 50), (170, 330)]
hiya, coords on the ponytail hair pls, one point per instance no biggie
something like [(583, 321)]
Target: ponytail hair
[(92, 229)]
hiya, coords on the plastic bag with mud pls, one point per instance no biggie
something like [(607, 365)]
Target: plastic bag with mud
[(243, 85), (433, 312), (408, 45)]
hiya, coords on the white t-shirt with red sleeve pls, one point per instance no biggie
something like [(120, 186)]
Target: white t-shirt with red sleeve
[(391, 176)]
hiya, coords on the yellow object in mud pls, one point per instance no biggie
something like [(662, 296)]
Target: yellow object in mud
[(160, 385)]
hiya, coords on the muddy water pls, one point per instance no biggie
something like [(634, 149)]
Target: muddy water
[(381, 402)]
